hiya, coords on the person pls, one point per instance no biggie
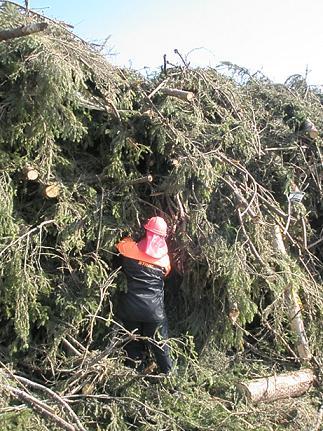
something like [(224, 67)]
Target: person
[(141, 307)]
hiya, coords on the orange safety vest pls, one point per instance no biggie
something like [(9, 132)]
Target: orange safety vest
[(128, 248)]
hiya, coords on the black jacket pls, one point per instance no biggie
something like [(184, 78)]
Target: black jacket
[(144, 299)]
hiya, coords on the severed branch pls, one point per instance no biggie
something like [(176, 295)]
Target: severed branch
[(104, 177), (76, 343), (27, 234), (36, 14), (22, 31), (181, 57), (40, 407), (53, 395), (240, 199), (294, 307), (157, 88), (165, 64), (313, 244), (188, 96), (275, 208), (141, 180), (119, 338), (70, 347)]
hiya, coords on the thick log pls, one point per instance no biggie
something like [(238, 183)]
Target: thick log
[(50, 191), (24, 30), (277, 387), (294, 307), (180, 94), (30, 173)]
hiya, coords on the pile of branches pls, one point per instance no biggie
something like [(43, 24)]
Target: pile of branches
[(87, 153)]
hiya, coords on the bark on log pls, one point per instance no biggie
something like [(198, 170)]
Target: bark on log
[(51, 191), (273, 388), (30, 173), (180, 94), (24, 30), (295, 313)]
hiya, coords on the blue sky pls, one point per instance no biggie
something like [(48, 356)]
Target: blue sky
[(278, 37)]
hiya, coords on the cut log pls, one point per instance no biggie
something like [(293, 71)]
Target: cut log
[(24, 30), (30, 173), (295, 313), (180, 94), (51, 191), (310, 129), (276, 387)]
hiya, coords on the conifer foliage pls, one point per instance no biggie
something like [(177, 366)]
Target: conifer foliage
[(237, 160)]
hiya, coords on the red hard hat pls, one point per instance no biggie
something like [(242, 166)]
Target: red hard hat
[(157, 225)]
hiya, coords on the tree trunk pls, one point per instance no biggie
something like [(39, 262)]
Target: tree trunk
[(181, 94), (295, 313), (273, 388), (25, 30)]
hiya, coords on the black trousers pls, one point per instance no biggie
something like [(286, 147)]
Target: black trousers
[(135, 348)]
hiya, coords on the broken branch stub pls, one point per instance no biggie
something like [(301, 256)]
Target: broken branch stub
[(51, 191), (292, 384), (30, 173)]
